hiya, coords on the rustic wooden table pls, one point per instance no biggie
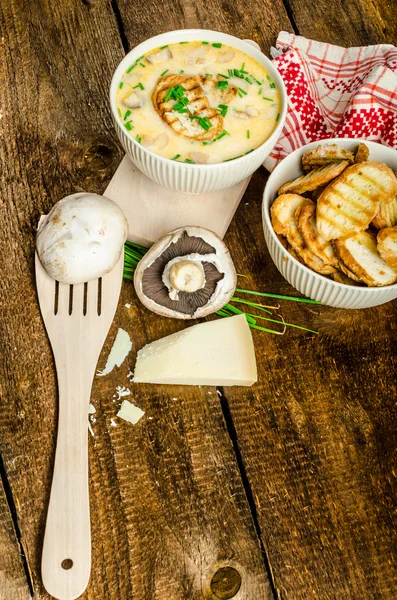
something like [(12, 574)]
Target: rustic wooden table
[(291, 482)]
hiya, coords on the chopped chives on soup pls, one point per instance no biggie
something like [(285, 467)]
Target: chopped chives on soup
[(198, 102)]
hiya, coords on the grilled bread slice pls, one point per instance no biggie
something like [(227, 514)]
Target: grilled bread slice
[(314, 262), (187, 123), (282, 213), (360, 254), (340, 277), (387, 246), (325, 154), (386, 215), (349, 203), (314, 179), (347, 271), (362, 153), (306, 219)]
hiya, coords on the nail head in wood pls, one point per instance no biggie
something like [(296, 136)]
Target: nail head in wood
[(225, 583)]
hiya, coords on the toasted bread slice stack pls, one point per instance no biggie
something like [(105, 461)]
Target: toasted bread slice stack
[(285, 212), (349, 203), (386, 215), (325, 154), (340, 277), (199, 107), (362, 153), (314, 179), (321, 248), (360, 254), (387, 246), (283, 218)]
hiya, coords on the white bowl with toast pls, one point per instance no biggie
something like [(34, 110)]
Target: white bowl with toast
[(379, 282), (185, 176)]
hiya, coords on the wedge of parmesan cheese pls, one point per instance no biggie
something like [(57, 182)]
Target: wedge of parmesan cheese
[(121, 347), (219, 352)]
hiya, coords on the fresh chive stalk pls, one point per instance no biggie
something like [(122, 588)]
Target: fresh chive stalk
[(217, 45), (121, 85), (138, 138), (134, 252), (248, 134), (176, 157), (127, 114), (164, 72)]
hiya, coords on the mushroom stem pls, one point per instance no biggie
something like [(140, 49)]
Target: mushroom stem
[(186, 276)]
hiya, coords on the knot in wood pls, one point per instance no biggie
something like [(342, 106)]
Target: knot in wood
[(225, 583), (98, 157)]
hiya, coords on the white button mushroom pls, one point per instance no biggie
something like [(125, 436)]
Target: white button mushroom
[(159, 57), (226, 57), (81, 238), (133, 101)]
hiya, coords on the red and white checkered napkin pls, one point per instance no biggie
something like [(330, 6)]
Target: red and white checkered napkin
[(335, 92)]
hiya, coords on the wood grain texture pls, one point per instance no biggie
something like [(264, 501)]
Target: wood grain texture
[(317, 437), (167, 502), (344, 23), (13, 584)]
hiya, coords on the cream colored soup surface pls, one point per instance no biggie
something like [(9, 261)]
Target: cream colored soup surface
[(198, 102)]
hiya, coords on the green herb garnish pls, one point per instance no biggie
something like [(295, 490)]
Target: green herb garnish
[(121, 84), (183, 42), (217, 45), (248, 134), (133, 253), (129, 125), (249, 151), (183, 101), (164, 72), (181, 71), (278, 116), (127, 114), (205, 123), (119, 112), (222, 85), (222, 75), (139, 85), (222, 109), (138, 138), (271, 82), (162, 47), (241, 92), (269, 99), (208, 74), (260, 91), (191, 162), (176, 156), (205, 43)]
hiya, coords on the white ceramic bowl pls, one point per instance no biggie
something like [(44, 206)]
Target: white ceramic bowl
[(305, 280), (185, 177)]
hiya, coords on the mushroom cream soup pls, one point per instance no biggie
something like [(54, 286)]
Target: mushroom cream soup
[(198, 102)]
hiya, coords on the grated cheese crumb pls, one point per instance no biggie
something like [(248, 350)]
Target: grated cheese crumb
[(129, 412), (121, 348)]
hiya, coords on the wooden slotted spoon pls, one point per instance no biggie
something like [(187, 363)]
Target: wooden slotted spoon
[(77, 319)]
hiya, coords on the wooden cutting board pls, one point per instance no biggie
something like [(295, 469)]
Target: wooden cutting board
[(153, 210)]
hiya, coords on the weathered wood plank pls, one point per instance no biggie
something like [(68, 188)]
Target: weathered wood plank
[(13, 583), (317, 437), (168, 504), (259, 22), (345, 23)]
